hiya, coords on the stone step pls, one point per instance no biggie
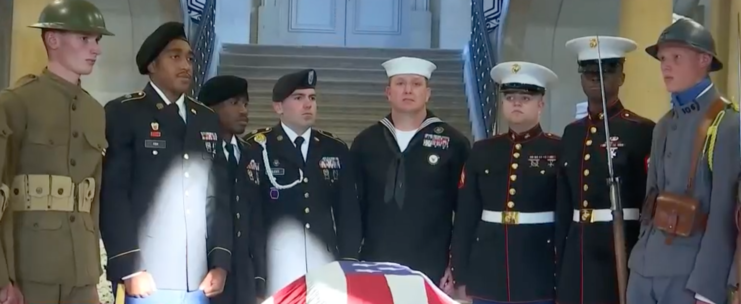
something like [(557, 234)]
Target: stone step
[(314, 62), (357, 87), (361, 112), (352, 99), (429, 54), (378, 74)]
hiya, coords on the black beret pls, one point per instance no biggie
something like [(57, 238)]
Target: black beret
[(156, 42), (287, 84), (220, 88)]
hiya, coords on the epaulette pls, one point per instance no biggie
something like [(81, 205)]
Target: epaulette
[(243, 141), (133, 96), (551, 136), (730, 105), (200, 103), (330, 135), (632, 116), (254, 132), (25, 80)]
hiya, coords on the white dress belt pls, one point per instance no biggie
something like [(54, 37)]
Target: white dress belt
[(517, 218), (604, 215)]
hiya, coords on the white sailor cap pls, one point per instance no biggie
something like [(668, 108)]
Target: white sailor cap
[(409, 65), (601, 47), (522, 76)]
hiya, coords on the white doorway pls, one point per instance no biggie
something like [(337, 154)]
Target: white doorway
[(350, 23)]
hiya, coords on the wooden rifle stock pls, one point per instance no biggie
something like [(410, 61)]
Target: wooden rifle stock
[(621, 261)]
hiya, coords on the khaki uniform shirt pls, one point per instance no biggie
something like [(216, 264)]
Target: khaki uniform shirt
[(55, 157)]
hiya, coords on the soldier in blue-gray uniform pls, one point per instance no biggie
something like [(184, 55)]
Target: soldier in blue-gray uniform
[(166, 226), (229, 98), (686, 242), (307, 184)]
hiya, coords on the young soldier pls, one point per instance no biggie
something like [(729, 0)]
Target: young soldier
[(55, 154), (409, 165), (686, 248), (503, 249), (307, 184), (166, 227), (584, 229), (228, 97)]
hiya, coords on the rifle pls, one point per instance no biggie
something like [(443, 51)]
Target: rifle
[(613, 182)]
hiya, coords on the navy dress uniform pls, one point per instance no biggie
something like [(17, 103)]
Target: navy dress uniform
[(246, 281), (408, 195), (503, 239), (309, 199), (587, 273), (161, 210)]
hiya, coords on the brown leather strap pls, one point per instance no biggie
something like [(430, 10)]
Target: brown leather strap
[(702, 132)]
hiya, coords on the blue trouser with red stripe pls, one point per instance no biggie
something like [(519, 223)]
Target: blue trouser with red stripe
[(479, 301)]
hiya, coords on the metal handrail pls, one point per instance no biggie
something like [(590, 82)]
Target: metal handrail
[(203, 45), (482, 59)]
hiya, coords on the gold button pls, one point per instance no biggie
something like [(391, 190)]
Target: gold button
[(542, 171), (237, 198), (585, 203), (514, 166), (306, 179), (486, 171), (516, 155), (586, 187), (513, 177), (185, 156), (593, 130), (239, 233), (306, 195), (39, 190), (589, 142), (60, 191), (237, 215), (511, 204), (306, 210), (587, 157), (512, 191), (308, 226), (518, 146), (601, 115), (586, 172), (154, 152)]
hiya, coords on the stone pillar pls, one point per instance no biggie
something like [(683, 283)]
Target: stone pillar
[(721, 25), (643, 21), (27, 54)]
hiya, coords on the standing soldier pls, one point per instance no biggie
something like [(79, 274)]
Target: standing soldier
[(166, 227), (228, 97), (685, 249), (584, 229), (409, 164), (307, 184), (503, 249), (55, 156)]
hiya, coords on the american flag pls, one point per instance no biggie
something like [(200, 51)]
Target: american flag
[(348, 282)]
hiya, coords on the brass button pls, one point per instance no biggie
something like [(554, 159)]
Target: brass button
[(60, 191), (39, 190), (308, 226), (593, 130), (16, 191), (154, 152), (601, 115), (512, 191), (306, 179), (589, 142), (511, 204), (513, 177), (236, 197), (586, 187), (74, 105), (239, 233), (306, 210), (185, 156), (516, 155), (587, 157), (72, 162), (306, 195), (72, 218), (518, 146), (586, 172), (486, 171), (585, 203), (75, 134), (514, 166), (237, 215), (542, 171)]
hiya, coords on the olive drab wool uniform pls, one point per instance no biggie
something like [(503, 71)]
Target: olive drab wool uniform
[(503, 237), (317, 220), (584, 229), (7, 261), (56, 154)]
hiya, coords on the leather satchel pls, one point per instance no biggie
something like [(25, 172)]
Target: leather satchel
[(680, 214)]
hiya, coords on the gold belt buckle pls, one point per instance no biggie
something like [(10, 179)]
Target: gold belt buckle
[(510, 217), (587, 216)]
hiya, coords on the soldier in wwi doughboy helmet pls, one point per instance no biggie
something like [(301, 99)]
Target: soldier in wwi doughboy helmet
[(55, 146)]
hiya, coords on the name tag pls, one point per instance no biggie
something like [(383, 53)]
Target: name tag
[(155, 144), (279, 171)]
